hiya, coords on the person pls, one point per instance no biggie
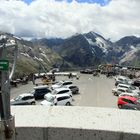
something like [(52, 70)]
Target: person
[(70, 75), (77, 77)]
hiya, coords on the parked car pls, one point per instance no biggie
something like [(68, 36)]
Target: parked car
[(61, 84), (119, 90), (133, 88), (123, 80), (130, 94), (24, 99), (135, 106), (137, 83), (73, 88), (87, 71), (120, 78), (62, 90), (40, 91), (122, 100), (59, 99)]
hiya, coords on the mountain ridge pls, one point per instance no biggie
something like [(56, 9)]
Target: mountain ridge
[(80, 50)]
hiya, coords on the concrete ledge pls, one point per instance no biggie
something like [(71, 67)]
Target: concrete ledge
[(76, 123)]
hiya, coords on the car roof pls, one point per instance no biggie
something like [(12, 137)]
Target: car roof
[(26, 94), (57, 95), (122, 77), (126, 94), (70, 85), (129, 98), (65, 81), (62, 88), (118, 88), (124, 85), (41, 87)]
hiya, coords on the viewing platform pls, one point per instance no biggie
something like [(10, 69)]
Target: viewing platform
[(75, 123)]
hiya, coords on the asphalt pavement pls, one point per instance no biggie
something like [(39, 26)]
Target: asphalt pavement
[(94, 91)]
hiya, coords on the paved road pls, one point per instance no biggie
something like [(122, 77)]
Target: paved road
[(94, 91)]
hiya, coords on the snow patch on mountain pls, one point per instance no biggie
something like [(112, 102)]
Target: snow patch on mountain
[(93, 51), (25, 54), (102, 44), (130, 55), (89, 40), (44, 55), (39, 59)]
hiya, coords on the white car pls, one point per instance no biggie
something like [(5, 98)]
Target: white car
[(123, 80), (74, 89), (119, 90), (130, 94), (23, 99), (62, 90), (59, 99), (134, 89), (61, 84)]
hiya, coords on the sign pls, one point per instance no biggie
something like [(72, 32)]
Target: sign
[(4, 65)]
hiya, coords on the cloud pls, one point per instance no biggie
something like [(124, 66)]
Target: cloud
[(50, 18)]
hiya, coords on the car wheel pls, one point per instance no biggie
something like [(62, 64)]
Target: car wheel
[(115, 94), (68, 104), (119, 106), (33, 103)]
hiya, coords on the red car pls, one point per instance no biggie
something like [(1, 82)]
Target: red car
[(122, 100)]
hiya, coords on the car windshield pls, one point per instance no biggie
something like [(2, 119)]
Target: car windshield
[(32, 92), (138, 101), (50, 99), (59, 84), (129, 91), (54, 92), (18, 98), (132, 88)]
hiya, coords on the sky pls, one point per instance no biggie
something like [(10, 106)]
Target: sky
[(113, 19), (101, 2)]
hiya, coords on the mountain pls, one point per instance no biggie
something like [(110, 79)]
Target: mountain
[(129, 48), (91, 49), (82, 50), (128, 40), (32, 58), (78, 51)]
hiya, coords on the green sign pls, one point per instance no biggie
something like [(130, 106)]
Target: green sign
[(4, 65)]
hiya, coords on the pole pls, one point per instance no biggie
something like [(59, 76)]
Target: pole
[(7, 124)]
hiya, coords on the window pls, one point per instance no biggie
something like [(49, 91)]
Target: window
[(123, 86), (132, 88), (72, 87), (67, 83), (63, 98), (128, 101), (25, 98), (129, 91), (63, 91), (28, 98), (45, 90), (121, 90)]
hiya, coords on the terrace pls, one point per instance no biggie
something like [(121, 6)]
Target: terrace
[(75, 123)]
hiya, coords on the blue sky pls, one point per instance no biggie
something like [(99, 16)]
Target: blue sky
[(101, 2)]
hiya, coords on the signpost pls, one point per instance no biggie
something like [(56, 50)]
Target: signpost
[(7, 123), (4, 65)]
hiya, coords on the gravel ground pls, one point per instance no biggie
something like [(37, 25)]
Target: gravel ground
[(94, 91)]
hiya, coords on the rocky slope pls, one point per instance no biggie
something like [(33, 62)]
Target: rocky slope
[(91, 49), (32, 58)]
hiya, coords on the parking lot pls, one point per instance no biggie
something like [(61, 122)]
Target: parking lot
[(94, 91)]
